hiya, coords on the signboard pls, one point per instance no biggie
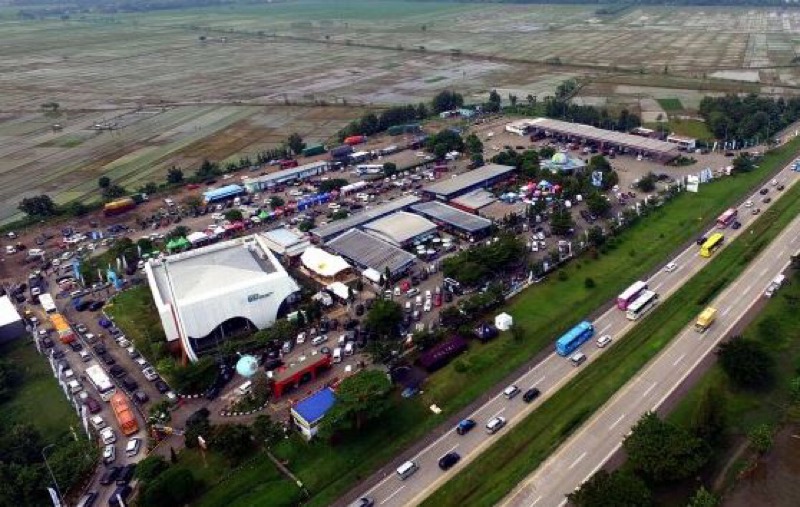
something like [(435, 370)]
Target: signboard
[(597, 178), (692, 183)]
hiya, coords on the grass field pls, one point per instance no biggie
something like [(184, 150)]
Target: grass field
[(520, 451), (543, 311), (134, 311), (691, 128), (39, 401), (670, 105)]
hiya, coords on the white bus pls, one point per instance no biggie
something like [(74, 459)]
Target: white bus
[(647, 300), (48, 305), (101, 382)]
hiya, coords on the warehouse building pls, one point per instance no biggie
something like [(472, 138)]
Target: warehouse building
[(223, 193), (286, 244), (11, 324), (402, 229), (483, 177), (473, 201), (280, 177), (370, 253), (206, 295), (329, 231), (454, 221)]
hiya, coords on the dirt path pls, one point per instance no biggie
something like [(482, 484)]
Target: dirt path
[(719, 480)]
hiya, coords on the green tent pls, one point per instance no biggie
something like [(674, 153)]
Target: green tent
[(178, 244), (263, 215)]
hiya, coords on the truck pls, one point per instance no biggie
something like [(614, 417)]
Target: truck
[(706, 318), (774, 285), (341, 152), (63, 329), (316, 149), (118, 206), (125, 416), (354, 140)]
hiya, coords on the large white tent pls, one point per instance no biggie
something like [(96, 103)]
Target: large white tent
[(323, 263)]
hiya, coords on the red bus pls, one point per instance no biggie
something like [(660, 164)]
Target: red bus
[(727, 218), (630, 294)]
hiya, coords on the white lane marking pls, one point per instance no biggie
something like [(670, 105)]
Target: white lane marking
[(678, 360), (577, 460), (603, 330), (388, 498), (619, 420), (537, 500), (644, 394), (781, 253), (655, 289), (763, 272), (563, 503), (539, 381), (728, 309), (497, 414), (795, 239), (747, 289), (451, 450)]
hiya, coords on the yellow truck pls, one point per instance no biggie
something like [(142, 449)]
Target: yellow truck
[(706, 318)]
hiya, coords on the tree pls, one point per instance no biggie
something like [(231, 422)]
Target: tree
[(595, 236), (703, 498), (181, 231), (113, 192), (708, 419), (494, 98), (598, 204), (446, 100), (746, 363), (443, 142), (234, 441), (234, 215), (473, 145), (384, 317), (207, 170), (599, 163), (296, 144), (389, 168), (174, 176), (77, 209), (40, 206), (104, 182), (194, 377), (360, 398), (647, 183), (150, 467), (339, 214), (175, 486), (267, 431), (615, 489), (517, 332), (743, 163), (561, 222), (276, 202), (663, 452), (761, 437), (10, 377), (332, 184), (512, 99)]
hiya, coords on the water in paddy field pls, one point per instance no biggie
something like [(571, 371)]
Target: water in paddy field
[(776, 480)]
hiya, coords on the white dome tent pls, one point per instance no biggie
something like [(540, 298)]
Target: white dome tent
[(503, 322)]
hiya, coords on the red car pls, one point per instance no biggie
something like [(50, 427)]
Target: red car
[(405, 285), (437, 300)]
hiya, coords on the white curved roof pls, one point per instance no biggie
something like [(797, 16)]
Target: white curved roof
[(323, 263)]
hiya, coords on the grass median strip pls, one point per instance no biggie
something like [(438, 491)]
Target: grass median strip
[(524, 448)]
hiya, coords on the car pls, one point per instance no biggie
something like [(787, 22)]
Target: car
[(132, 449), (117, 371), (109, 454), (531, 394), (108, 436), (161, 386), (701, 240), (736, 225), (780, 187), (92, 405), (412, 292), (132, 352), (82, 306), (748, 204), (126, 474), (495, 424), (763, 191), (98, 422), (123, 343), (76, 346), (774, 182), (85, 356), (88, 499), (57, 354), (120, 496), (99, 349), (756, 211), (669, 268), (766, 200), (364, 501), (107, 359), (110, 475), (447, 461), (465, 426), (359, 310), (46, 343), (325, 350), (511, 391), (96, 305), (603, 341), (437, 300), (140, 397), (141, 363), (150, 374), (319, 340), (129, 384)]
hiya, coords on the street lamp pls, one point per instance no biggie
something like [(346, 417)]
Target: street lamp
[(58, 490)]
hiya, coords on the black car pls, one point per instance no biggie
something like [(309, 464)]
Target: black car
[(414, 281), (46, 343), (99, 349), (140, 397), (76, 346), (92, 405), (766, 200), (736, 225), (325, 350), (57, 354), (126, 474), (448, 296), (701, 240), (161, 386), (763, 191), (117, 371), (107, 359), (448, 460), (122, 492), (359, 310), (128, 383), (530, 395), (83, 305), (96, 305), (110, 475), (780, 187)]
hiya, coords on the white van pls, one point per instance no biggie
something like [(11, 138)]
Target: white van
[(577, 358), (245, 388), (348, 349), (169, 202), (407, 469), (337, 355)]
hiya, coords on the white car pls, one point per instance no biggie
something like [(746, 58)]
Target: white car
[(603, 341), (56, 263), (427, 306), (334, 206), (150, 374), (669, 268), (494, 424), (319, 340), (134, 444), (109, 454), (108, 436), (97, 422), (748, 204)]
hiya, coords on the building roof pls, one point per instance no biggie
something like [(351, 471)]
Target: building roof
[(288, 174), (284, 241), (8, 312), (449, 215), (476, 199), (400, 227), (223, 192), (359, 219), (323, 263), (468, 179), (595, 134), (313, 408), (370, 252)]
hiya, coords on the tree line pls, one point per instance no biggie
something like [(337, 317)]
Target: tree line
[(749, 118)]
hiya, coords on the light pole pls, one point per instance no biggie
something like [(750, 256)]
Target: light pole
[(58, 490)]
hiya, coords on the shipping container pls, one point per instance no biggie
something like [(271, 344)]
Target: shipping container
[(341, 152), (353, 140), (317, 149), (119, 206)]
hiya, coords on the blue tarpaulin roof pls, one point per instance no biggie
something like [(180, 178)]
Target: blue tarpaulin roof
[(315, 406), (223, 192)]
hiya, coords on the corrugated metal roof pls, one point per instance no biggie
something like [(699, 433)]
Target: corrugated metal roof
[(339, 226), (8, 312), (596, 134), (401, 227), (371, 252), (475, 200), (468, 179), (436, 210), (315, 406)]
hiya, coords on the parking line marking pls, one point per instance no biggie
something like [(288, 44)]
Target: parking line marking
[(679, 360), (577, 460), (392, 495), (619, 420)]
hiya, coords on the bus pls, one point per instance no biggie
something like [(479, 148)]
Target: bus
[(62, 328), (630, 294), (712, 244), (125, 416), (48, 305), (727, 218), (105, 388), (647, 300), (574, 338)]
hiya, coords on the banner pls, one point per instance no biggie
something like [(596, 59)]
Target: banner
[(692, 183), (597, 178)]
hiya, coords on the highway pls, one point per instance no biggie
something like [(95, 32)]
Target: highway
[(591, 447), (549, 375)]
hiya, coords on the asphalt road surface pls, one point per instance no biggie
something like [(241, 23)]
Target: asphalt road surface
[(553, 372), (589, 449)]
